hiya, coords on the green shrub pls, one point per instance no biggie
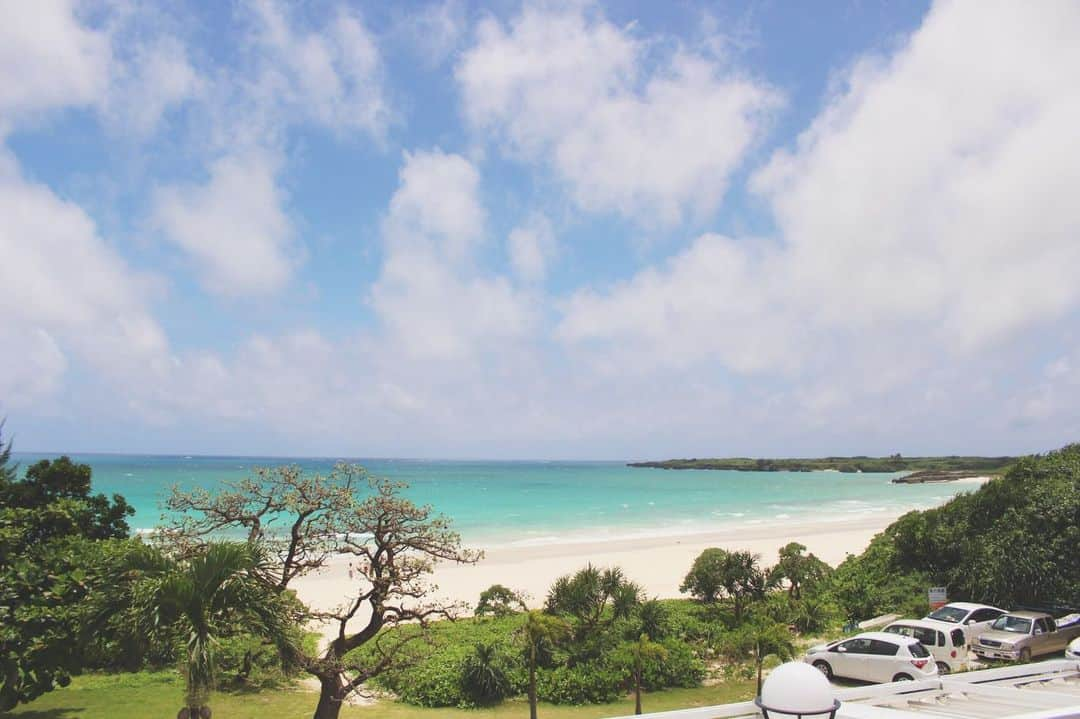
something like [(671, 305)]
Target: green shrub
[(484, 677), (589, 683), (681, 668)]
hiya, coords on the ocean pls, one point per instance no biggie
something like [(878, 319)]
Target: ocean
[(531, 503)]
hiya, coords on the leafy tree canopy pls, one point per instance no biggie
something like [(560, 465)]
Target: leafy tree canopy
[(798, 569), (499, 601), (54, 539), (7, 468), (1013, 541), (718, 573), (57, 495)]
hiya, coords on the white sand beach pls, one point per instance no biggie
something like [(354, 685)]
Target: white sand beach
[(657, 563)]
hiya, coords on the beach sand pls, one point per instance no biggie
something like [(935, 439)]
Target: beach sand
[(658, 564)]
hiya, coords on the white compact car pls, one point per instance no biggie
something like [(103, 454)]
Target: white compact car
[(974, 619), (1073, 650), (874, 657), (947, 645)]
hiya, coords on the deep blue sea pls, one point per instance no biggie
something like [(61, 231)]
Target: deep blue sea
[(521, 503)]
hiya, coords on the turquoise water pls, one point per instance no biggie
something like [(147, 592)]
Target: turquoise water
[(547, 502)]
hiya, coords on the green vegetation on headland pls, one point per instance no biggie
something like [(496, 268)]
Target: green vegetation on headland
[(96, 623), (971, 466)]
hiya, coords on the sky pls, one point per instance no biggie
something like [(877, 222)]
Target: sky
[(561, 230)]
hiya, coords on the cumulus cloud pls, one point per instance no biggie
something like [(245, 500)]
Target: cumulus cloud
[(436, 205), (155, 77), (935, 187), (331, 74), (49, 59), (927, 205), (66, 294), (234, 226), (650, 139), (430, 295)]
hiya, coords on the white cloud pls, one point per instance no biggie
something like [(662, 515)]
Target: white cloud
[(66, 294), (48, 59), (234, 226), (331, 74), (531, 247), (936, 187), (652, 142), (430, 296), (926, 210), (437, 204), (144, 86)]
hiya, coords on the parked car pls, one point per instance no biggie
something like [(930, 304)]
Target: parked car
[(1023, 635), (947, 646), (974, 619), (874, 657), (1073, 650)]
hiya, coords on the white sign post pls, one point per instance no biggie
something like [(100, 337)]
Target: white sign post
[(938, 597)]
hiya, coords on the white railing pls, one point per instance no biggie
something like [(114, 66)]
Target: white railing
[(1001, 686)]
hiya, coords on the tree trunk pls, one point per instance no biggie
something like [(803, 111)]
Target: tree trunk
[(329, 698), (532, 690), (637, 691), (759, 663)]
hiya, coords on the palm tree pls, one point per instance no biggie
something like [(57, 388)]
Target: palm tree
[(761, 639), (216, 590), (642, 651), (539, 629)]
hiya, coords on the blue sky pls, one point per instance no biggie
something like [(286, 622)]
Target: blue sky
[(540, 229)]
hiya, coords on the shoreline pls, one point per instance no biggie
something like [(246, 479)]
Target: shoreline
[(658, 563)]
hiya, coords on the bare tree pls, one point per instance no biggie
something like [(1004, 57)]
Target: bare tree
[(391, 543)]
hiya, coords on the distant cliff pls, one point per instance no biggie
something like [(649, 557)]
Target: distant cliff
[(968, 466)]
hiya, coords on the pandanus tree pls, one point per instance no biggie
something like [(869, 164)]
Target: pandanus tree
[(539, 632), (201, 597), (594, 597)]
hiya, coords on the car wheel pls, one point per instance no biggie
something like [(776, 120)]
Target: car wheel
[(1025, 654), (823, 666), (903, 678), (942, 668)]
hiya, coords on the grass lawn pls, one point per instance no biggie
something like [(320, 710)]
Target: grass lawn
[(151, 695)]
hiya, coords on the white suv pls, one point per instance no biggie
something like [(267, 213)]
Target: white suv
[(874, 657), (974, 619)]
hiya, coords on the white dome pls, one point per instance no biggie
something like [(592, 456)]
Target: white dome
[(797, 688)]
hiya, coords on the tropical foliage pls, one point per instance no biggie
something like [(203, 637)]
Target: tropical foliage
[(391, 544), (201, 598), (1013, 541), (55, 536), (498, 601), (718, 573)]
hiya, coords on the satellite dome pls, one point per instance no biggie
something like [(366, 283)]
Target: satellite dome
[(796, 689)]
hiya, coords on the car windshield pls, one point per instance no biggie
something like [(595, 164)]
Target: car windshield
[(949, 614), (1005, 623), (918, 650)]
